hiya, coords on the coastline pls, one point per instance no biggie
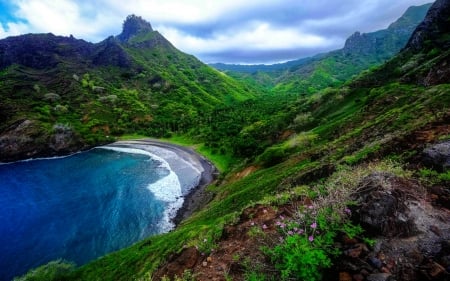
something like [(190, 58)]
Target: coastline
[(198, 196)]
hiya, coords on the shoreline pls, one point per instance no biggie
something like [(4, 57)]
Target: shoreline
[(198, 196)]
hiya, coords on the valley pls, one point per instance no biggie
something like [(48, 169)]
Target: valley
[(333, 167)]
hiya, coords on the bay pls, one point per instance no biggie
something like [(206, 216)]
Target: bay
[(78, 208)]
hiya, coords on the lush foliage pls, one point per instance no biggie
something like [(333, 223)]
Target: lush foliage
[(55, 270)]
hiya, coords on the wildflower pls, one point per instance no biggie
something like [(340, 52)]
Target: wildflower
[(300, 232), (205, 240), (282, 225), (310, 207), (265, 211), (264, 226), (311, 238), (295, 229), (252, 223), (281, 239), (314, 225), (278, 223), (290, 232), (282, 218), (348, 211)]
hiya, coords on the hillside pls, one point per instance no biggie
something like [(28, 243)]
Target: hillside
[(343, 144), (347, 183), (360, 52), (61, 94)]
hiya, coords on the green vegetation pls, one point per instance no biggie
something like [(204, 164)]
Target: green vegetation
[(310, 150), (54, 270)]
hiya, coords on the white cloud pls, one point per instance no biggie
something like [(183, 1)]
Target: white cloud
[(204, 27)]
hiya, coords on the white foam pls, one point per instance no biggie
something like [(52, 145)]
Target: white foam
[(166, 189)]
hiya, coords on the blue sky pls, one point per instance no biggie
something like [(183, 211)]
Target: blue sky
[(230, 31)]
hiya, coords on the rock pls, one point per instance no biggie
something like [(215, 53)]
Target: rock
[(437, 156), (178, 263), (381, 208), (358, 277), (379, 277), (345, 276), (355, 251), (436, 269), (204, 264), (375, 262)]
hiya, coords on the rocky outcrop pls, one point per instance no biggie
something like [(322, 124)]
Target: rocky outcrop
[(438, 156), (383, 208), (133, 26), (430, 32), (42, 51), (28, 139), (412, 237), (386, 42)]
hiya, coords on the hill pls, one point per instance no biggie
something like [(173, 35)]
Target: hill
[(355, 187), (360, 52), (61, 94)]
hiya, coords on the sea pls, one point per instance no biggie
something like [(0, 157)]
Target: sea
[(86, 205)]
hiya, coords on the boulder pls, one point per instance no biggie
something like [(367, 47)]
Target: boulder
[(437, 156)]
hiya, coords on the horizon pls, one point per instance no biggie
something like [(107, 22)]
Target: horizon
[(251, 33)]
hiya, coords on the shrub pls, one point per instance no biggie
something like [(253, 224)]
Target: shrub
[(271, 156), (52, 271)]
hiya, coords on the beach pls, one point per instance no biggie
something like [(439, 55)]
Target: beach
[(196, 196)]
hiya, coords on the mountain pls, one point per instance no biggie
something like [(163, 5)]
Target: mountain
[(353, 186), (344, 193), (361, 51), (61, 94)]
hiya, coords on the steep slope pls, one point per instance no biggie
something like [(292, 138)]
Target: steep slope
[(61, 94), (361, 51), (297, 199)]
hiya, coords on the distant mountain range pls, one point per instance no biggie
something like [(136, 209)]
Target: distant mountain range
[(360, 52), (61, 94)]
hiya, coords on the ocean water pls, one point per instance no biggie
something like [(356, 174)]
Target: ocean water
[(84, 206)]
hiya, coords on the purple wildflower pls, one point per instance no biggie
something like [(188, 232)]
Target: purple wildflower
[(348, 211), (314, 225), (264, 226), (311, 238), (290, 232)]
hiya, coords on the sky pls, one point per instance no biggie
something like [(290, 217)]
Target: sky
[(228, 31)]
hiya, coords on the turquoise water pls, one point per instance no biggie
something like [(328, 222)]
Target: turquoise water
[(79, 207)]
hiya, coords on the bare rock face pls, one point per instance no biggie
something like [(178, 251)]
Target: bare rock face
[(20, 141), (435, 24), (438, 156), (383, 209), (178, 263), (27, 139), (412, 236)]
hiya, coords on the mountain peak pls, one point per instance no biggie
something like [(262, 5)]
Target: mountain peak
[(434, 31), (132, 26)]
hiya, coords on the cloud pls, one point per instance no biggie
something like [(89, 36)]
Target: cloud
[(251, 31)]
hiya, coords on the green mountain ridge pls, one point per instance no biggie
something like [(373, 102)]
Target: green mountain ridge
[(291, 209), (70, 94), (360, 52)]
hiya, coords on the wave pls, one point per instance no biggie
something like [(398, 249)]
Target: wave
[(167, 189)]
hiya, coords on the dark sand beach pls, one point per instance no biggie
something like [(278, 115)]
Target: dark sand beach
[(197, 196)]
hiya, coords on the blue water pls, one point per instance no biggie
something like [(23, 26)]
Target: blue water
[(76, 208)]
